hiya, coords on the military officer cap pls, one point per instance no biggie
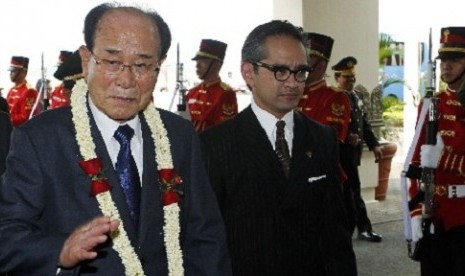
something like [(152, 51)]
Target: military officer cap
[(210, 48), (63, 55), (318, 45), (346, 66), (452, 43), (18, 63), (70, 70)]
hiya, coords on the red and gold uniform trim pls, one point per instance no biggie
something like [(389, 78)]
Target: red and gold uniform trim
[(211, 103), (328, 106), (21, 99), (448, 212)]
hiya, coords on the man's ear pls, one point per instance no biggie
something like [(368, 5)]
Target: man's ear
[(85, 57), (247, 73)]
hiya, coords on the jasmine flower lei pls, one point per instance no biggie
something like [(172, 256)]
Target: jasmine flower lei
[(121, 243)]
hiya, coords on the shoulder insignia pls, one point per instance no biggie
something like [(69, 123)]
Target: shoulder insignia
[(29, 86), (225, 86), (439, 93), (228, 109), (337, 109), (336, 89)]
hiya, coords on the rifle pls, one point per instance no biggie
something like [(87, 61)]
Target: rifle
[(180, 89), (44, 86), (427, 177), (413, 172), (42, 93)]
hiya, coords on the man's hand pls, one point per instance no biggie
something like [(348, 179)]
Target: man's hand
[(378, 152), (81, 243), (430, 154), (353, 139)]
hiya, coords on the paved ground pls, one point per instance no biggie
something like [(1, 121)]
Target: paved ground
[(388, 258)]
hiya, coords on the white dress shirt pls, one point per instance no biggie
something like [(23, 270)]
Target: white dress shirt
[(107, 128)]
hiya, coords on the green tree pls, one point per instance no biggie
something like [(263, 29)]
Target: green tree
[(385, 50)]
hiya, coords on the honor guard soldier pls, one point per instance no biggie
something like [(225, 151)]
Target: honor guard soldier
[(69, 71), (22, 95), (359, 131), (57, 97), (443, 231), (212, 101), (320, 102)]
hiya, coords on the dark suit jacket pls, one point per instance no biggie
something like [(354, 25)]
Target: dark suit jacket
[(4, 105), (279, 226), (45, 196), (351, 156), (5, 132)]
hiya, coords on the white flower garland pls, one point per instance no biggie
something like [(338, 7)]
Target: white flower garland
[(164, 160)]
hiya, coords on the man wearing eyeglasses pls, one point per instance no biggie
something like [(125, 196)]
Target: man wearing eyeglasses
[(275, 172), (351, 150), (212, 101), (111, 185)]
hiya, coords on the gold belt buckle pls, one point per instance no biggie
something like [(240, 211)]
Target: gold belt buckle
[(440, 190)]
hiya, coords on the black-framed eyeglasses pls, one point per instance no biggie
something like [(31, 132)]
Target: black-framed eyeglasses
[(114, 67), (282, 73)]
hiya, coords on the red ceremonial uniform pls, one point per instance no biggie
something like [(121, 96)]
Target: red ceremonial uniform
[(449, 210), (58, 98), (211, 103), (328, 106), (20, 100)]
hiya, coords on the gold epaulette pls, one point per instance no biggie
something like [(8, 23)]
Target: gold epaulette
[(336, 89), (29, 86), (439, 93), (225, 86)]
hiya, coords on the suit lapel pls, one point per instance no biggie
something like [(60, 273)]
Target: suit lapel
[(150, 209), (303, 147)]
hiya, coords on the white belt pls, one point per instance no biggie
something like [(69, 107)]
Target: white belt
[(455, 191)]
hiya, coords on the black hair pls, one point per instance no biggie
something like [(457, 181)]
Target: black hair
[(95, 15), (254, 45)]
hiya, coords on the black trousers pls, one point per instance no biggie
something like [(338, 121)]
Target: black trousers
[(446, 254)]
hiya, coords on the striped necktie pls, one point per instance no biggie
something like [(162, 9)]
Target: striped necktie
[(281, 147)]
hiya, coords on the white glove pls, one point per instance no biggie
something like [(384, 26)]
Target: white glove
[(417, 232), (430, 154)]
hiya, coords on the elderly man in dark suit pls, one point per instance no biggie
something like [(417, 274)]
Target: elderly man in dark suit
[(95, 188), (275, 172)]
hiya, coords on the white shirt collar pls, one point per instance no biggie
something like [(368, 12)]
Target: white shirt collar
[(268, 123), (107, 128)]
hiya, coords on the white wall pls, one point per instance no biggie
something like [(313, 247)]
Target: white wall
[(290, 10), (354, 26)]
